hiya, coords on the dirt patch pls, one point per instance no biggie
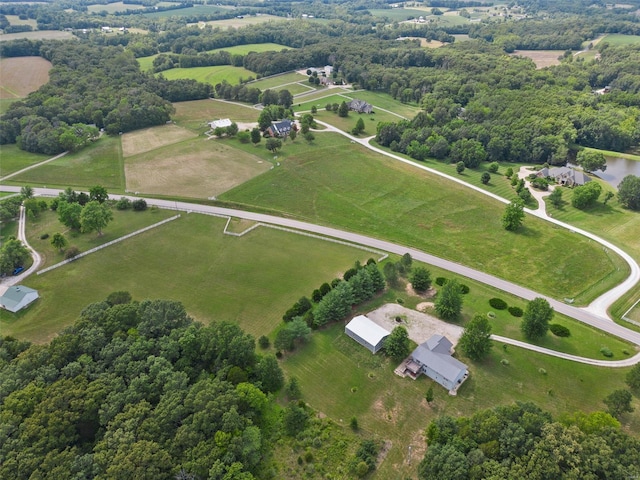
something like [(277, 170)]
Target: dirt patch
[(148, 139), (22, 75), (430, 293), (542, 58), (195, 168), (424, 306), (421, 326)]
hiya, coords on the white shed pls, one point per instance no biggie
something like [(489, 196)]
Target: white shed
[(18, 297), (367, 333)]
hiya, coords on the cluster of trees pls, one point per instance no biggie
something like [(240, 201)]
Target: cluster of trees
[(82, 212), (522, 441)]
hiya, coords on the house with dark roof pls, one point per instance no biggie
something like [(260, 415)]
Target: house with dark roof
[(17, 297), (433, 358), (360, 106), (367, 333), (565, 176), (281, 128)]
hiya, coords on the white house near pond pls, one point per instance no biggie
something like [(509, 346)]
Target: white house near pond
[(366, 333)]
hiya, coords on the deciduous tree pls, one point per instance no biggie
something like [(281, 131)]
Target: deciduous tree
[(536, 318), (59, 241), (448, 303), (98, 193), (396, 345), (513, 215), (591, 160), (256, 136), (421, 279), (95, 216), (619, 402), (475, 341), (629, 192)]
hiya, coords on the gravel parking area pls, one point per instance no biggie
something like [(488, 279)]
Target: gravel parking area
[(419, 325)]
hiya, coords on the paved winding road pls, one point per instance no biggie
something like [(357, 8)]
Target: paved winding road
[(583, 315)]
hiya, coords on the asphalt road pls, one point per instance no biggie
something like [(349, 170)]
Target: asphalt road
[(603, 323)]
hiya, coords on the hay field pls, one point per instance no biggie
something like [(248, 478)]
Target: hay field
[(113, 7), (211, 75), (243, 22), (147, 139), (22, 75), (542, 58), (252, 47), (38, 35), (196, 168)]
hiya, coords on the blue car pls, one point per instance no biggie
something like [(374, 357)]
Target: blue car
[(18, 270)]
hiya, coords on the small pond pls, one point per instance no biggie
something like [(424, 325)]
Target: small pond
[(617, 169)]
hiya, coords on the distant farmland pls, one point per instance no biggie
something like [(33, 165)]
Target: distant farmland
[(22, 75), (252, 47)]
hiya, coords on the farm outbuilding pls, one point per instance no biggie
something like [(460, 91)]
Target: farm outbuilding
[(367, 333), (18, 297)]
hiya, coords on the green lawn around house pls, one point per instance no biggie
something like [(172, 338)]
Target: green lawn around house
[(195, 114)]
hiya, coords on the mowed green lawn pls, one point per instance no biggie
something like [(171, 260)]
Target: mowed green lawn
[(13, 159), (278, 80), (394, 408), (211, 75), (252, 47), (251, 280), (619, 39), (98, 164), (195, 114), (343, 184)]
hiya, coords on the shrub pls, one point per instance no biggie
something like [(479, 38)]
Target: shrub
[(498, 304), (71, 252), (542, 371), (123, 204), (559, 330), (516, 311), (606, 352), (400, 301), (464, 289), (509, 172), (139, 204), (278, 354), (504, 361), (263, 341), (308, 457), (44, 236), (440, 281)]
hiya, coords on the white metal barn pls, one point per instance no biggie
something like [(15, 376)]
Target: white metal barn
[(367, 333)]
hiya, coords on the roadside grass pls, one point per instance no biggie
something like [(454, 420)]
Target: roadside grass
[(195, 114), (251, 280), (252, 47), (210, 75), (269, 83), (192, 168), (386, 101), (97, 164), (296, 88), (347, 186), (320, 96), (394, 409), (14, 159), (620, 39), (147, 139), (123, 223)]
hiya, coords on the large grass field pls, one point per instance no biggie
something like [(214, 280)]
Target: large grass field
[(147, 139), (197, 168), (394, 408), (38, 35), (211, 75), (278, 80), (342, 184), (146, 63), (619, 39), (99, 163), (246, 20), (13, 159), (194, 115), (251, 280), (252, 47)]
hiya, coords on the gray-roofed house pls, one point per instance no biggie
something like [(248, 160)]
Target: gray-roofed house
[(433, 358), (17, 297), (565, 176), (281, 128), (360, 106), (367, 333)]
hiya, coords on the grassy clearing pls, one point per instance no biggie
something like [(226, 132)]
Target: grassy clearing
[(16, 20), (211, 75), (196, 168), (186, 12), (343, 184), (252, 47), (396, 14), (38, 35), (14, 159), (99, 163), (194, 115), (216, 276), (22, 75), (247, 20), (278, 81), (5, 103), (147, 139), (146, 63), (394, 408), (620, 39), (542, 58)]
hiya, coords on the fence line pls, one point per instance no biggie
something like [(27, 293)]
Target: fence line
[(112, 242)]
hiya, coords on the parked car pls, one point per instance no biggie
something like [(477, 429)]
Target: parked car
[(17, 270)]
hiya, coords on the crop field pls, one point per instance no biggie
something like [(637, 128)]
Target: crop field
[(113, 7), (195, 114), (147, 139), (16, 20), (187, 12), (278, 80), (211, 75), (196, 168), (397, 14), (252, 47), (619, 39), (243, 22), (343, 184), (38, 35), (542, 58), (394, 408), (217, 277), (22, 75), (97, 164), (14, 159)]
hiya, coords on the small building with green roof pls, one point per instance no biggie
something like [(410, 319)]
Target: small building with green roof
[(17, 297)]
